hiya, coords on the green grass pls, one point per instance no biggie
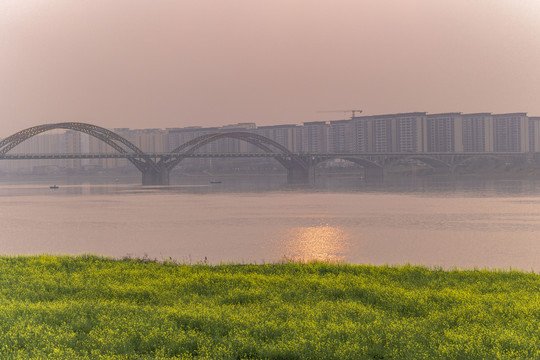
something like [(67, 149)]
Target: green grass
[(94, 308)]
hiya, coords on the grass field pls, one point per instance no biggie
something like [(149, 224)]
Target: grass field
[(94, 308)]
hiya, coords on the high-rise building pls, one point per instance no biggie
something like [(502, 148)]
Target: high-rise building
[(381, 135), (314, 135), (151, 140), (510, 132), (97, 146), (409, 133), (72, 145), (179, 136), (444, 132), (47, 143), (390, 133), (230, 145), (284, 135), (360, 135), (341, 136), (534, 134), (477, 132)]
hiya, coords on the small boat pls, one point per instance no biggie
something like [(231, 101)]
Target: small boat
[(215, 182), (53, 187)]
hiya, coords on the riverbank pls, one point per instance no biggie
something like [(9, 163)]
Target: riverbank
[(88, 307)]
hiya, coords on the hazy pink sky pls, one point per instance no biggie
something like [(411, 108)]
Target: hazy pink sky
[(176, 63)]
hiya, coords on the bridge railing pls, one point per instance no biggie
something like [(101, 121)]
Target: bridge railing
[(37, 156), (218, 155)]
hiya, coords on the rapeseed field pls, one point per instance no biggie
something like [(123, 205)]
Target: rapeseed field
[(87, 307)]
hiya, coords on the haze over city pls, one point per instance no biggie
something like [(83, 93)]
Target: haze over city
[(144, 64), (194, 179)]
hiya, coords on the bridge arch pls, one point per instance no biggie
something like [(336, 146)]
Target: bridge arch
[(360, 161), (499, 158), (257, 140), (112, 139), (428, 160), (372, 170), (283, 155), (298, 170)]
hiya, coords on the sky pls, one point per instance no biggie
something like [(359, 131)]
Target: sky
[(178, 63)]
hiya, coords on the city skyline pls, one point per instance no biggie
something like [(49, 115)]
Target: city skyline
[(386, 135), (148, 64), (417, 132), (360, 115)]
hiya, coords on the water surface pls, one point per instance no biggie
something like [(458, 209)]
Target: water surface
[(469, 224)]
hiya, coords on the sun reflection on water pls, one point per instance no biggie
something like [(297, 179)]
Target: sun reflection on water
[(317, 243)]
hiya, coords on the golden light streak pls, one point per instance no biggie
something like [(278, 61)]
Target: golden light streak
[(318, 243)]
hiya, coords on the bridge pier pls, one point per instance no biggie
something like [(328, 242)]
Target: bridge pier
[(373, 174), (154, 177), (299, 175)]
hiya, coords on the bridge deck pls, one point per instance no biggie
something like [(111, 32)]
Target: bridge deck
[(162, 155)]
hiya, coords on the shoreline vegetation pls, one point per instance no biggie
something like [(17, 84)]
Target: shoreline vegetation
[(90, 307)]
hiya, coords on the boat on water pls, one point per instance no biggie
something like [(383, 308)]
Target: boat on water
[(54, 187), (215, 182)]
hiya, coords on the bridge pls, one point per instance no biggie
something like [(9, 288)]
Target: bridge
[(156, 167)]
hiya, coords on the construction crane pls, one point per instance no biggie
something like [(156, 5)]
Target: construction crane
[(343, 111)]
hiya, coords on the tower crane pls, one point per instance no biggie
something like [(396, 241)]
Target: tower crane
[(343, 111)]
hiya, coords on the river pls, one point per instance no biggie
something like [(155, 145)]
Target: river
[(448, 223)]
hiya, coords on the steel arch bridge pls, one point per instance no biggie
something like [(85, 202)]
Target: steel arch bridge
[(155, 168), (297, 168), (157, 172), (444, 162), (142, 161)]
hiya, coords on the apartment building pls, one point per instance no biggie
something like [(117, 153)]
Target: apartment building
[(340, 136), (148, 140), (444, 132), (409, 130), (402, 132), (360, 135), (151, 140), (534, 134), (477, 132), (230, 145), (314, 137), (179, 136), (47, 143), (511, 132), (72, 144), (285, 135)]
